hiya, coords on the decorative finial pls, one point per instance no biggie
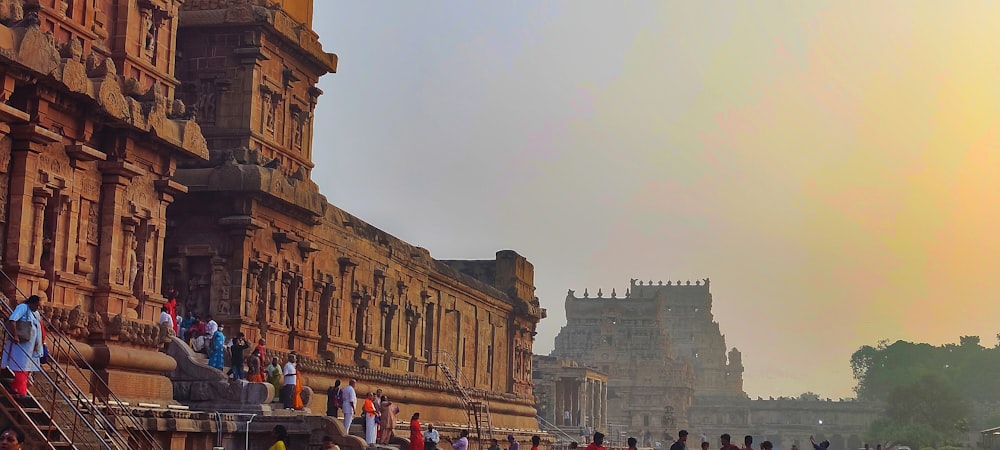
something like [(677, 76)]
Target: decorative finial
[(628, 293), (640, 282), (613, 293), (698, 283), (670, 283), (689, 282), (600, 293), (660, 282), (586, 294)]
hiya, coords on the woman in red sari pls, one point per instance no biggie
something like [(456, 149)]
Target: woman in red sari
[(416, 436)]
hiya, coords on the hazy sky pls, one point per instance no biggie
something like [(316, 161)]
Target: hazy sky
[(830, 166)]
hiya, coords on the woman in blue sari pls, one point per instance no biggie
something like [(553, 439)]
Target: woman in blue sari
[(217, 345)]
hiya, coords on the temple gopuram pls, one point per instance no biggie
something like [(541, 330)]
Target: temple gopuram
[(667, 368), (163, 148)]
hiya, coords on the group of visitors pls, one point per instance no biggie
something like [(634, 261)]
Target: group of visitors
[(379, 413), (725, 441)]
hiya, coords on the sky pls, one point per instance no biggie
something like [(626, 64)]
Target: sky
[(831, 166)]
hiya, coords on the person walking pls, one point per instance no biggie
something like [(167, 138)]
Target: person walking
[(274, 375), (216, 346), (280, 438), (254, 374), (349, 403), (236, 356), (512, 443), (25, 347), (387, 419), (333, 399), (431, 437), (288, 382), (598, 442), (416, 434), (463, 441), (681, 443)]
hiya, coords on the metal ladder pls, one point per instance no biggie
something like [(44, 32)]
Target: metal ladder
[(57, 413), (477, 409)]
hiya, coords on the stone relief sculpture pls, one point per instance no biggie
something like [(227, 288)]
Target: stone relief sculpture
[(131, 264)]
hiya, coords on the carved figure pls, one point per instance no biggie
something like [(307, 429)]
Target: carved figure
[(132, 263), (149, 30)]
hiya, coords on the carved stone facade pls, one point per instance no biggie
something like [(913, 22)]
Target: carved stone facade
[(256, 246), (665, 356), (97, 146), (89, 139)]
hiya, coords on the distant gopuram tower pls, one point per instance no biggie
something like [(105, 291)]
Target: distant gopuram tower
[(662, 351)]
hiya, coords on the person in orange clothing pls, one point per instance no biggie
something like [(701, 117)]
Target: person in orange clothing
[(598, 442), (416, 434), (370, 416)]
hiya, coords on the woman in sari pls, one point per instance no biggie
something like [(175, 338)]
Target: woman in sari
[(387, 420), (274, 375), (416, 435), (297, 393), (216, 347), (21, 355)]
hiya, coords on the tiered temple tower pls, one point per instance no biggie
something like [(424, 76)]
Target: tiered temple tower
[(659, 346)]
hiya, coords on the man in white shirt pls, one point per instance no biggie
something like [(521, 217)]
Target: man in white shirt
[(165, 317), (288, 385), (431, 437), (211, 326), (349, 403)]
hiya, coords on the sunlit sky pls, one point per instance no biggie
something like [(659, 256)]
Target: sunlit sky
[(830, 166)]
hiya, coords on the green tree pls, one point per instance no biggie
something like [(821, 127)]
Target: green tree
[(926, 412)]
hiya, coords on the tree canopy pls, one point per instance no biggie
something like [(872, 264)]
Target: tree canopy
[(967, 366)]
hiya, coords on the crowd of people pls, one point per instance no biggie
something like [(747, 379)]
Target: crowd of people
[(725, 442)]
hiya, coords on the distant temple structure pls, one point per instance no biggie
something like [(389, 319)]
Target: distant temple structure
[(668, 368), (158, 149)]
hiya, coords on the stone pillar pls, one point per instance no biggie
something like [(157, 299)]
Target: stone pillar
[(23, 247), (117, 227)]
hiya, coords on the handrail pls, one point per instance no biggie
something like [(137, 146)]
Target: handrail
[(75, 359), (556, 427), (52, 411)]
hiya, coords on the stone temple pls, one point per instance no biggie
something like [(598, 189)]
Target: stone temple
[(164, 147), (665, 366)]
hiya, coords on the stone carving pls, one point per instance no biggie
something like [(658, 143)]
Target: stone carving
[(74, 73), (196, 382), (109, 92), (92, 223), (11, 11), (38, 50), (139, 333), (207, 101), (221, 285), (132, 263), (150, 273)]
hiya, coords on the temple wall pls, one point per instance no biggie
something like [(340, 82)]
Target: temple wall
[(263, 252)]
